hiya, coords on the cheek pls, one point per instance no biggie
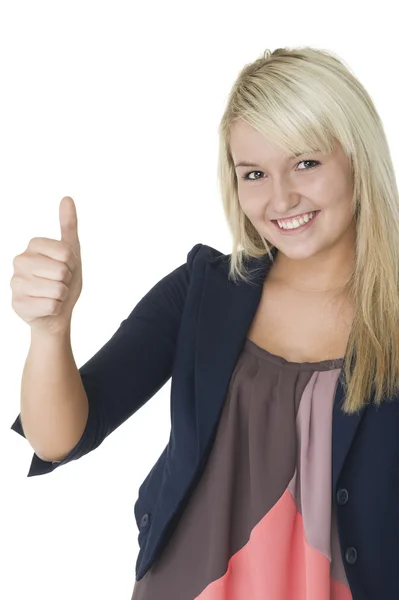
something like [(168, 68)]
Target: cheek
[(252, 206), (250, 209)]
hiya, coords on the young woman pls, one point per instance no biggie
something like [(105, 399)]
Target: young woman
[(280, 480)]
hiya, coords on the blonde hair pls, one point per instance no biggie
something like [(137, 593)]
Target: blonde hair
[(304, 99)]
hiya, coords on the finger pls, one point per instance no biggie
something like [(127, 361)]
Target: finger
[(69, 224)]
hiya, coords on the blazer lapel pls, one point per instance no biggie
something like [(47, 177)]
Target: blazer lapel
[(225, 315), (343, 433)]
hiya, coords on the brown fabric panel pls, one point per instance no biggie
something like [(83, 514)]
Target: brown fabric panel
[(252, 462)]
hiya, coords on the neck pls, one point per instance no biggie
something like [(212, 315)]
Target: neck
[(322, 273)]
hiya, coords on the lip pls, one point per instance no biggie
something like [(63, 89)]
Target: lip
[(298, 229)]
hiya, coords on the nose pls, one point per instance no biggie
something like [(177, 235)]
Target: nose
[(283, 199)]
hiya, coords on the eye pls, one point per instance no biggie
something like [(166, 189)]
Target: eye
[(247, 178)]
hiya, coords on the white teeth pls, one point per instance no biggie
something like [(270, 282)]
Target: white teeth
[(296, 222)]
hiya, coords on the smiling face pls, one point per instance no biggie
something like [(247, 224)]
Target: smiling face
[(276, 187)]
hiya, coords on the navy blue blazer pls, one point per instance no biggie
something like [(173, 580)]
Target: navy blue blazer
[(191, 326)]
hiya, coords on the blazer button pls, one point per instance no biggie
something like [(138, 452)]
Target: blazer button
[(342, 496), (351, 555), (145, 519)]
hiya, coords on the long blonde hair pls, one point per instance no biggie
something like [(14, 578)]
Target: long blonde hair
[(306, 98)]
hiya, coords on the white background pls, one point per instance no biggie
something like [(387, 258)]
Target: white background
[(117, 104)]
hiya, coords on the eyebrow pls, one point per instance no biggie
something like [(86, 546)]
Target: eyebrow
[(244, 163)]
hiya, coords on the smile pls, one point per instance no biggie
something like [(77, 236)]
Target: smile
[(299, 223)]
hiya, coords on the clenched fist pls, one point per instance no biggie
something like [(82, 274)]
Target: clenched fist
[(47, 279)]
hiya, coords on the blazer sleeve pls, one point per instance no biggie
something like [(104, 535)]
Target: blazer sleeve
[(133, 365)]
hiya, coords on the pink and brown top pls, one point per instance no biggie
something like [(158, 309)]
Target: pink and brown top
[(260, 524)]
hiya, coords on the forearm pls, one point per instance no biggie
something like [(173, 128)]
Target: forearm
[(54, 404)]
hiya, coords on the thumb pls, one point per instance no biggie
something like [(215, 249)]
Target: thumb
[(69, 224)]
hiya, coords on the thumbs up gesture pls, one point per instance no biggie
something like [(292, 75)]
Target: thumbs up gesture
[(47, 278)]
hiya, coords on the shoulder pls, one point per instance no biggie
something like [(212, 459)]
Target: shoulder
[(202, 253)]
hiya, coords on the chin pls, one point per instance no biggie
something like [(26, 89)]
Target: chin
[(300, 252)]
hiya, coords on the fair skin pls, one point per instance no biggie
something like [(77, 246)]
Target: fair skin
[(305, 313), (320, 259)]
